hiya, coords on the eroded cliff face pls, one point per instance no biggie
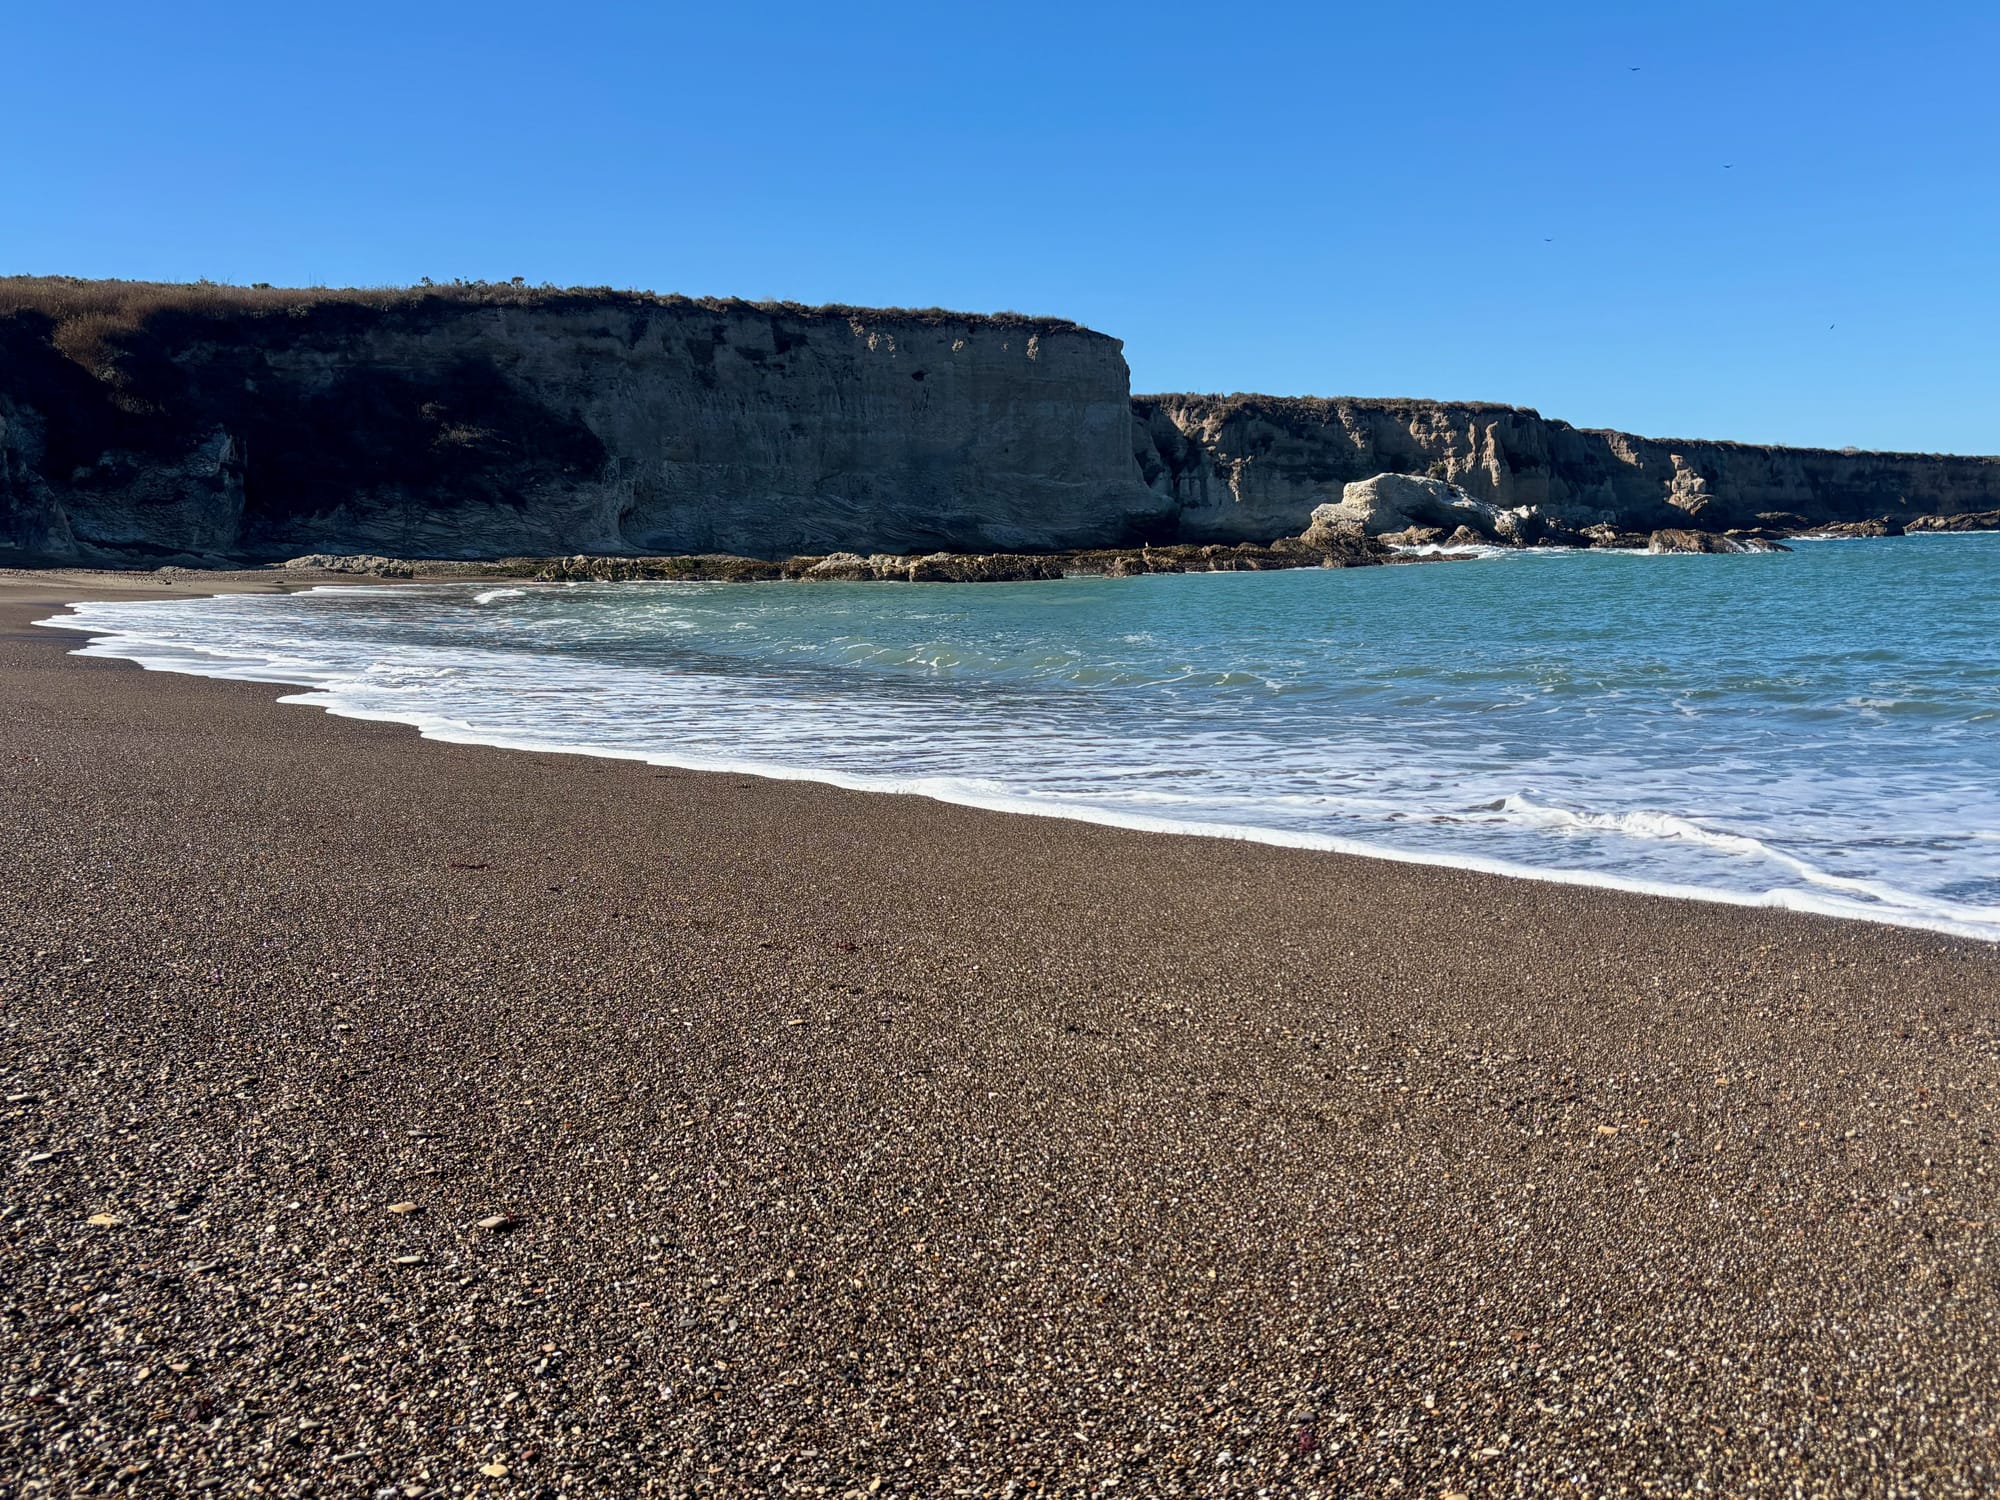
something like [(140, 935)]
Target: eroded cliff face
[(1251, 467), (151, 423), (572, 424)]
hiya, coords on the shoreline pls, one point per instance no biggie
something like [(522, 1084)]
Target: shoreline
[(761, 1133), (1334, 546), (310, 694)]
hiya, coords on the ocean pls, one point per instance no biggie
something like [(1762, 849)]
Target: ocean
[(1817, 729)]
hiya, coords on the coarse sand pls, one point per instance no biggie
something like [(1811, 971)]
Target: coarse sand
[(394, 1118)]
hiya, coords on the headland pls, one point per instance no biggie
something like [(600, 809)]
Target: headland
[(145, 424)]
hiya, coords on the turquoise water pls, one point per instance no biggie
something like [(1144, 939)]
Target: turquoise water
[(1818, 729)]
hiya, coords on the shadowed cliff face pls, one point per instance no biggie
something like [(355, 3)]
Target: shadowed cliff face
[(1247, 467), (153, 423), (569, 425)]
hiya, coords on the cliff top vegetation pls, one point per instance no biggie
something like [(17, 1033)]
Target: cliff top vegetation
[(87, 316)]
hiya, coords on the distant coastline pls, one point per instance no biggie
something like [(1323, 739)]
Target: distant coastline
[(144, 424)]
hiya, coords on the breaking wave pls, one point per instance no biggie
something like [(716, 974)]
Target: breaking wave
[(1723, 732)]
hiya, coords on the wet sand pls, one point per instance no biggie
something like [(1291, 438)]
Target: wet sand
[(848, 1143)]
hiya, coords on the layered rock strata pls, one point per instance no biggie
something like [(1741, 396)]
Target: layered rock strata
[(1256, 466), (143, 423), (475, 422)]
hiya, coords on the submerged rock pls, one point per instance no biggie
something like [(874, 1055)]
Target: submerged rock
[(1681, 540), (1345, 550), (1419, 536), (1607, 536), (1337, 547), (1882, 527), (1330, 542), (981, 567), (931, 567), (1755, 534), (1978, 520)]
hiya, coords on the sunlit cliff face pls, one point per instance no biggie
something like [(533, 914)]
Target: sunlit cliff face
[(1239, 466), (154, 424)]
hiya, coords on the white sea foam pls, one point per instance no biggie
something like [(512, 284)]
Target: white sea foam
[(1480, 550), (1542, 736), (1658, 825), (1983, 922)]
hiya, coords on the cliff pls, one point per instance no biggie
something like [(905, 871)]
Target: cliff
[(146, 423), (1248, 467), (151, 422)]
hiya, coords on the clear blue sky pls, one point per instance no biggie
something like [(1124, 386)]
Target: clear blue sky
[(1451, 200)]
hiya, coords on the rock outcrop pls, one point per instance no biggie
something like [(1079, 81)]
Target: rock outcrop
[(1395, 502), (1678, 539), (1417, 512), (1985, 520), (143, 423), (1348, 550), (935, 567)]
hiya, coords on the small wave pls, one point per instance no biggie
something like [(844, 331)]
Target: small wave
[(1658, 825), (1979, 922), (1644, 824), (1328, 723), (492, 594)]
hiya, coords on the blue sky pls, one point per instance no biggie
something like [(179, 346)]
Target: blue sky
[(1448, 200)]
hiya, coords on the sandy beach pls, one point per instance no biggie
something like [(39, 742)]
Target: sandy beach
[(759, 1137)]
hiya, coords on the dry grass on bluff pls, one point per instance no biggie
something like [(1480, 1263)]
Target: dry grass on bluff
[(87, 319)]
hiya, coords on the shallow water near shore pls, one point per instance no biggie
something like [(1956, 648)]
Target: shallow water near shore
[(1818, 730)]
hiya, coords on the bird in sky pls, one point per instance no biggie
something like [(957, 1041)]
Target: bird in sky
[(1727, 165)]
